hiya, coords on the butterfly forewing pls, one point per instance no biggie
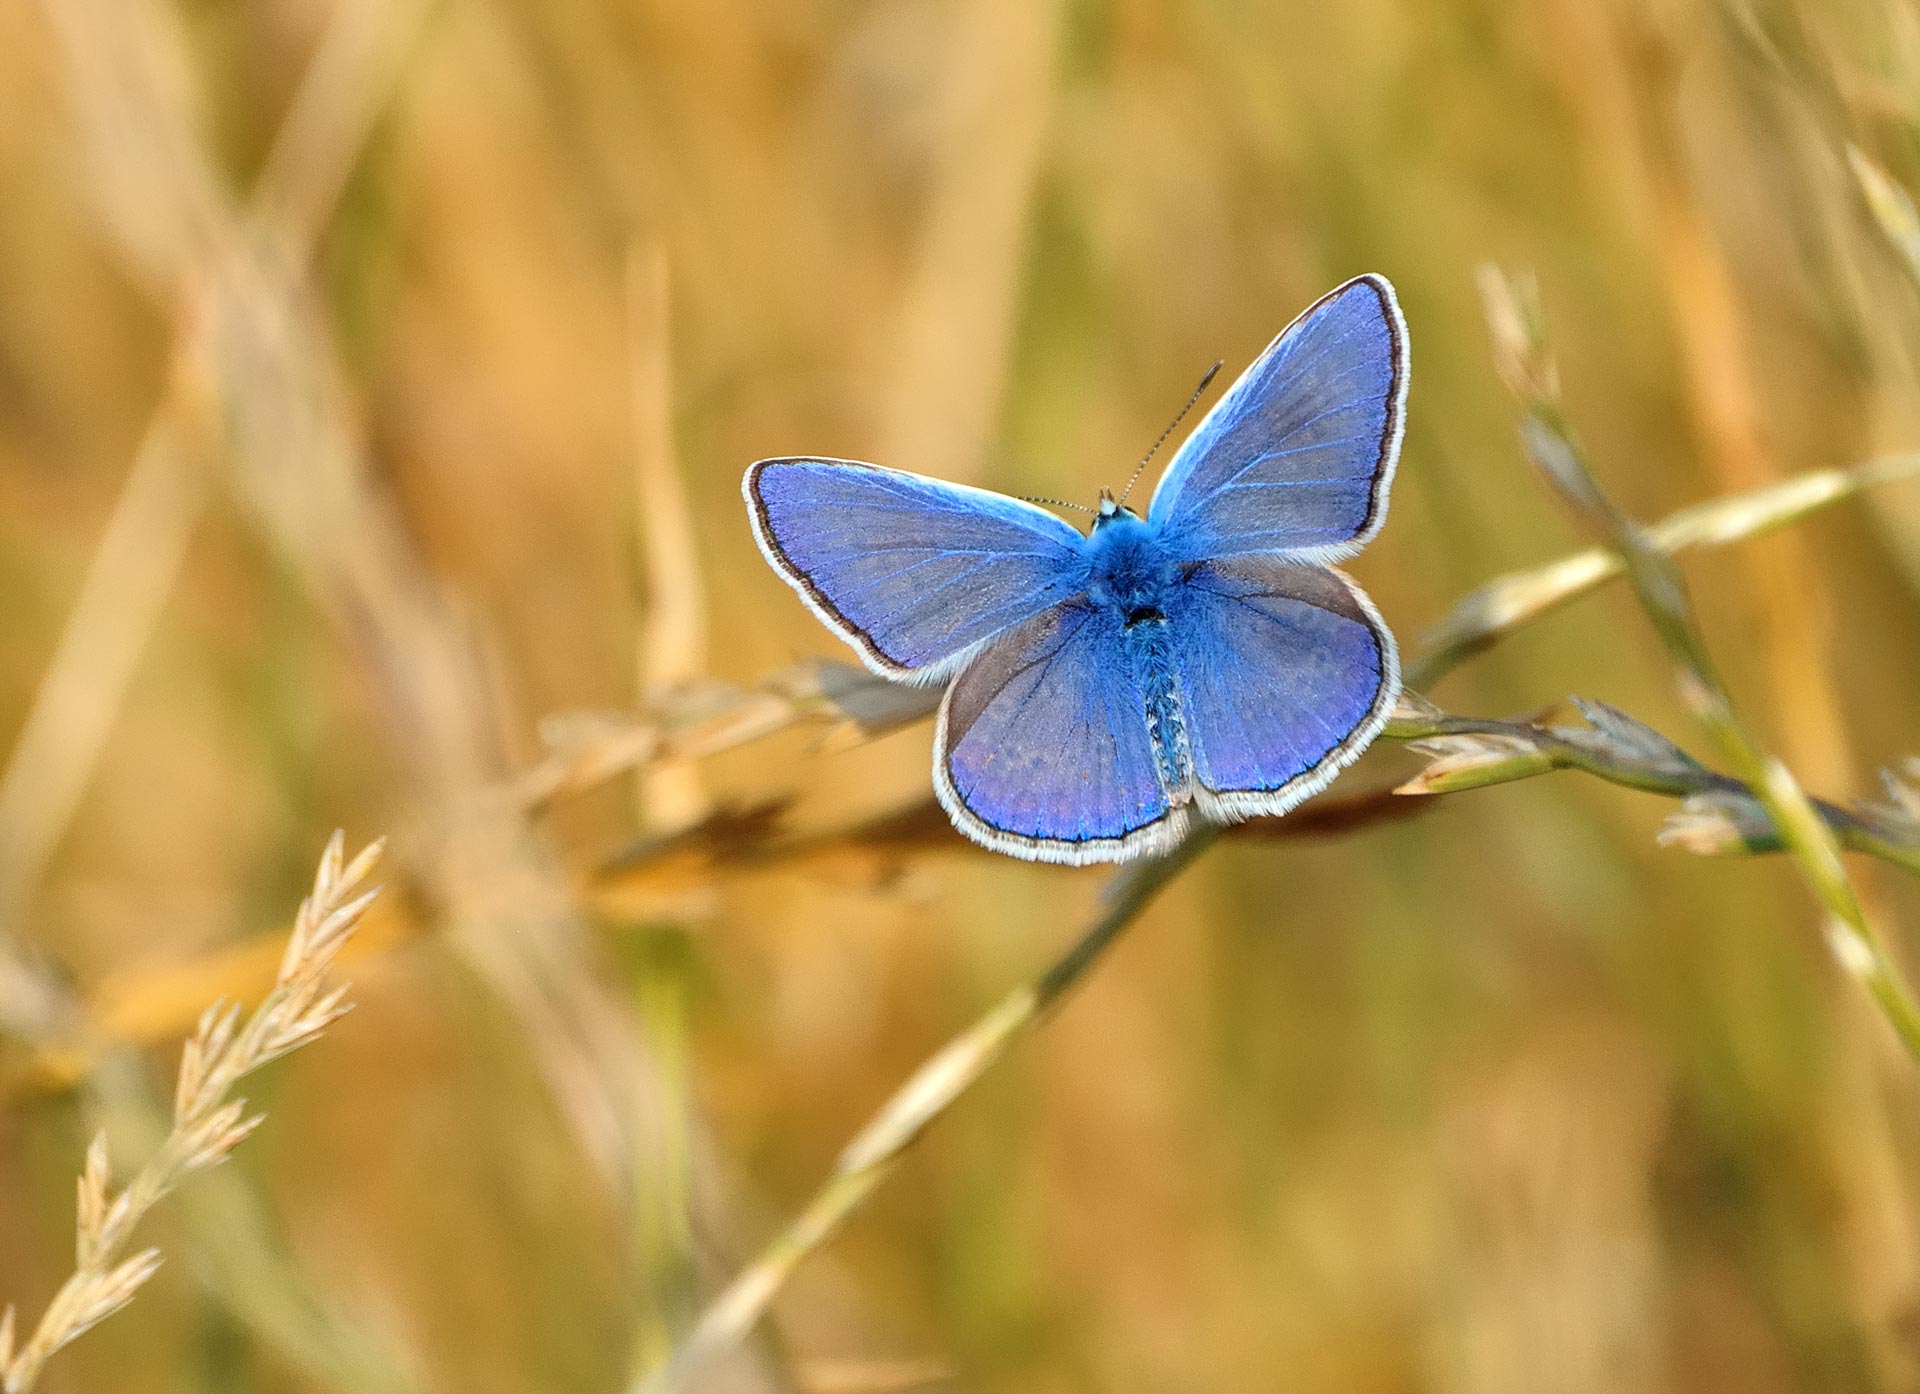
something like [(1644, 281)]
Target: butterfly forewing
[(913, 572), (1298, 455)]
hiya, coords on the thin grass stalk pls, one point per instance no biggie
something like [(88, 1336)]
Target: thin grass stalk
[(1720, 815), (1892, 208), (1491, 611), (875, 1151), (671, 630), (1527, 366), (669, 795), (144, 544)]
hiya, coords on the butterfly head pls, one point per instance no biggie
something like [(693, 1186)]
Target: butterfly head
[(1110, 509)]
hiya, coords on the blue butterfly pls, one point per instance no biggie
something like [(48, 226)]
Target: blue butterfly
[(1204, 660)]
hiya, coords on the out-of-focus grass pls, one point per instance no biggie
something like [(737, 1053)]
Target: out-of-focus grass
[(1498, 1097)]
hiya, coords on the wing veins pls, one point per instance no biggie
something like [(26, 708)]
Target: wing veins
[(927, 595), (1291, 432), (1328, 734), (1292, 483)]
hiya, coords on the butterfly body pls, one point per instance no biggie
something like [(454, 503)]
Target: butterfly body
[(1108, 687), (1132, 576)]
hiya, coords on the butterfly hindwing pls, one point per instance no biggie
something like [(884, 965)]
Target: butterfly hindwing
[(912, 572), (1042, 748), (1286, 673), (1298, 454)]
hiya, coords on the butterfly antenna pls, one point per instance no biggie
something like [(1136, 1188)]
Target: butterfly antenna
[(1218, 364), (1058, 503)]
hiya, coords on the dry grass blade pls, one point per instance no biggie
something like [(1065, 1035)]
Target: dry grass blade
[(1657, 583), (875, 1376), (699, 719), (1891, 206), (141, 550), (1479, 619), (673, 631), (159, 195), (207, 1123)]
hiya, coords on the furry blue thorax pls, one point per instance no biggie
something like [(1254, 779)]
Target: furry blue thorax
[(1131, 571)]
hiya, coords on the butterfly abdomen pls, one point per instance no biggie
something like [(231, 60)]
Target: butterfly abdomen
[(1151, 655)]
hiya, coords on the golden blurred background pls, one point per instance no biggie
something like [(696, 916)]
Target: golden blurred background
[(376, 378)]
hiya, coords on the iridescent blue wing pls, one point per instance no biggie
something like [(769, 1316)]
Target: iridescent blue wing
[(1042, 748), (912, 572), (1298, 454), (1285, 672)]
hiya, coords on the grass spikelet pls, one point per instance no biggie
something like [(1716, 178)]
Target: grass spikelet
[(207, 1123)]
